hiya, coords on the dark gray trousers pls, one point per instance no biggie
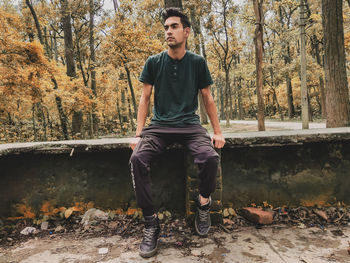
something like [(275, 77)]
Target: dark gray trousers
[(154, 140)]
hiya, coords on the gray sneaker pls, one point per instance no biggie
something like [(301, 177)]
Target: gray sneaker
[(202, 221), (149, 244)]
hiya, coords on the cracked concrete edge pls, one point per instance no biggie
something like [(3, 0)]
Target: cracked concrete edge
[(246, 139)]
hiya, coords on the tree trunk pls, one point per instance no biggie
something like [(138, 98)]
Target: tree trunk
[(47, 47), (230, 101), (227, 91), (43, 39), (239, 99), (42, 113), (68, 39), (131, 117), (62, 115), (51, 44), (131, 90), (287, 60), (119, 113), (275, 100), (291, 110), (92, 48), (91, 125), (323, 98), (303, 88), (337, 92), (94, 117), (222, 109), (123, 110), (34, 124), (315, 47), (77, 123), (55, 46), (196, 33), (115, 4), (77, 119), (36, 21), (258, 40), (80, 62)]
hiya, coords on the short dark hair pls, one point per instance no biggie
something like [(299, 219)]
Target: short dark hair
[(173, 11)]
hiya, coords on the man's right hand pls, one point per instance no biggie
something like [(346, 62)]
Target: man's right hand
[(134, 142)]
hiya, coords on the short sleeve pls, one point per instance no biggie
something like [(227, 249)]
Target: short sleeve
[(147, 75), (204, 75)]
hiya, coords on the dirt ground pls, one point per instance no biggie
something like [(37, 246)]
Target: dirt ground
[(275, 243)]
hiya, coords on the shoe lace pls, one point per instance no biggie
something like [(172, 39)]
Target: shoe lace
[(203, 215), (148, 234)]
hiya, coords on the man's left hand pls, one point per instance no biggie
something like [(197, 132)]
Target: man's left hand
[(218, 140)]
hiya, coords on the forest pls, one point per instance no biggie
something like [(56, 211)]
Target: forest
[(69, 69)]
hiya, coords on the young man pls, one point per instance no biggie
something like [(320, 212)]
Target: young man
[(177, 76)]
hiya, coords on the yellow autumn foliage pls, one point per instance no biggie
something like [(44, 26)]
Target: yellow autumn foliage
[(34, 81)]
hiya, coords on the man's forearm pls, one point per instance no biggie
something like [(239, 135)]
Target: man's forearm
[(142, 115), (213, 116), (212, 113)]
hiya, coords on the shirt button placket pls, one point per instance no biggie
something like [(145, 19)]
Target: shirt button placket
[(175, 72)]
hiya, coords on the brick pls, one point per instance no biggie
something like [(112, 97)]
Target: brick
[(257, 215)]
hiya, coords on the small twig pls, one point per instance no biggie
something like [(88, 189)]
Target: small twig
[(336, 221), (225, 229)]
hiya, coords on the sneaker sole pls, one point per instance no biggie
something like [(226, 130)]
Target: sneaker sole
[(198, 232), (150, 253)]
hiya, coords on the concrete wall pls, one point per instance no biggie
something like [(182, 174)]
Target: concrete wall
[(283, 168), (100, 177), (307, 174)]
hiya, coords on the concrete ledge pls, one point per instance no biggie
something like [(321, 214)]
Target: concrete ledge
[(286, 137), (233, 140), (297, 167), (56, 147)]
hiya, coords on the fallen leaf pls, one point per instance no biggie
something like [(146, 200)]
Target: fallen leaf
[(228, 221), (68, 212)]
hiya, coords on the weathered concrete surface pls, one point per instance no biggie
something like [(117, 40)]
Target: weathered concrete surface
[(102, 178), (294, 175), (298, 167), (274, 244), (233, 140), (69, 146), (288, 137)]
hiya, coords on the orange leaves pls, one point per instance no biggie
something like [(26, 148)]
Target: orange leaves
[(347, 41), (78, 207), (23, 67), (131, 211), (24, 210), (129, 43), (35, 53), (49, 209)]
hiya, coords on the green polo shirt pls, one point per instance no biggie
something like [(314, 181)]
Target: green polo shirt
[(176, 84)]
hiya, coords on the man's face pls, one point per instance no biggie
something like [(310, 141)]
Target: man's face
[(175, 34)]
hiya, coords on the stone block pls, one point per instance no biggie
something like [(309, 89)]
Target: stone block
[(257, 215)]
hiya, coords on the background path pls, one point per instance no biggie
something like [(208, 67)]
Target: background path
[(279, 124)]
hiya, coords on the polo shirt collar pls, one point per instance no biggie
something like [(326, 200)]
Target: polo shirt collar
[(177, 60)]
